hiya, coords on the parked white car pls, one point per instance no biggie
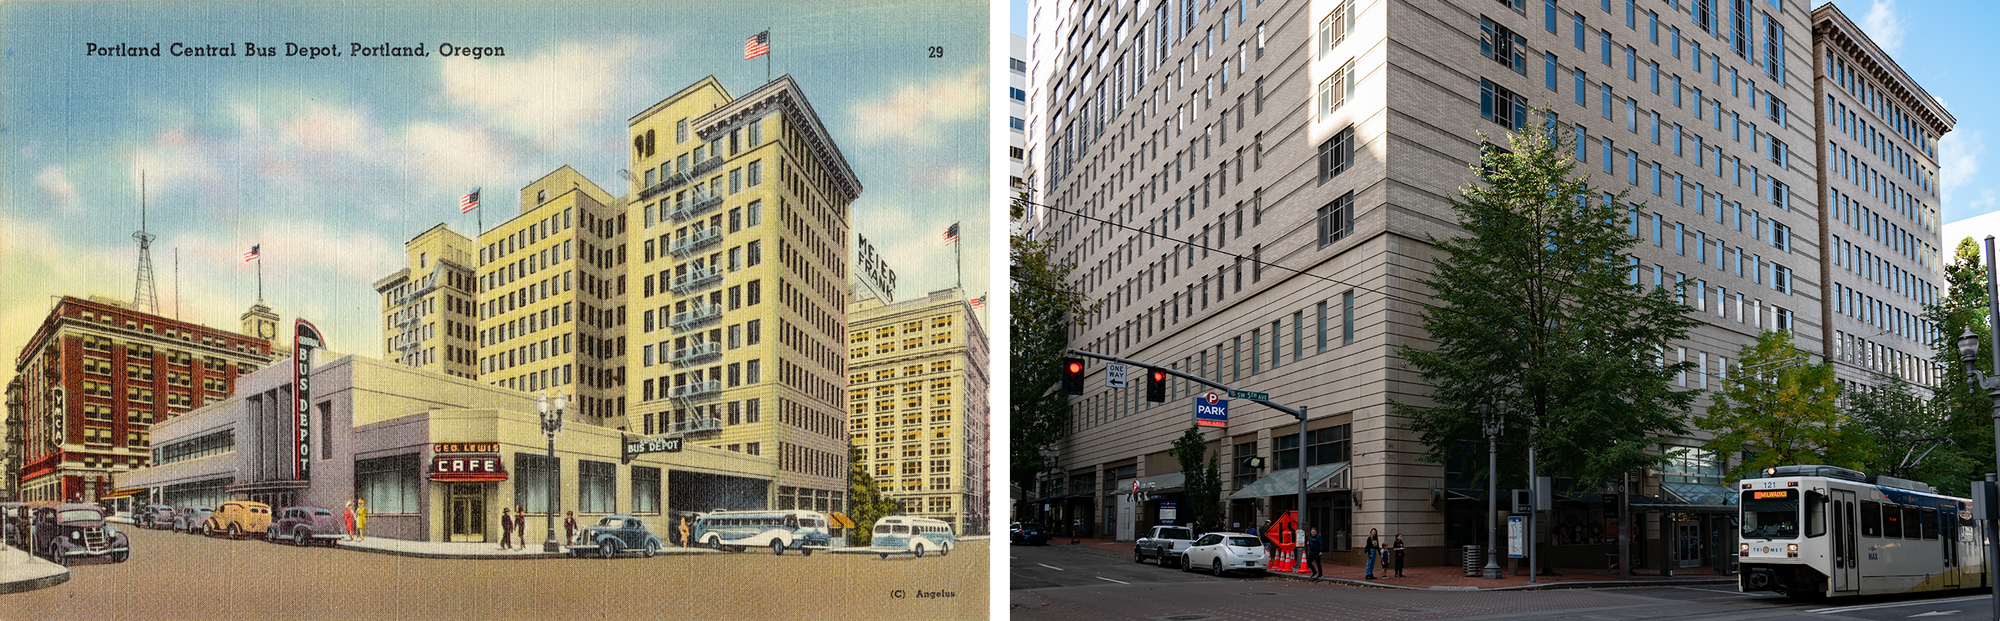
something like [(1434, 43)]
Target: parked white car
[(1221, 552)]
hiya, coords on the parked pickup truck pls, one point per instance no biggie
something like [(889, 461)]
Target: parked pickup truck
[(1164, 544)]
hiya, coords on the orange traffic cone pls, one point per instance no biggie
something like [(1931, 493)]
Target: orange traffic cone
[(1304, 567)]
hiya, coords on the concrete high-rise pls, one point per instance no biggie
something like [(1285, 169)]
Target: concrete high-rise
[(1248, 191)]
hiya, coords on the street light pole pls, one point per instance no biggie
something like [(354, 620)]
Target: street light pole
[(1968, 349), (1494, 423), (552, 423)]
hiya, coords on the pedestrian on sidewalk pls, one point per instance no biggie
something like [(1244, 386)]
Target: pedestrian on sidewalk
[(569, 526), (1397, 548), (361, 519), (506, 528), (521, 523), (1314, 546), (684, 533), (348, 516), (1374, 549), (1075, 531)]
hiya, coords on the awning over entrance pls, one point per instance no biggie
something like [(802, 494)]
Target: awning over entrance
[(1689, 498), (1162, 484), (840, 520), (122, 493), (1286, 482)]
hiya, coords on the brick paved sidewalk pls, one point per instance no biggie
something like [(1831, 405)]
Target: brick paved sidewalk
[(1453, 577)]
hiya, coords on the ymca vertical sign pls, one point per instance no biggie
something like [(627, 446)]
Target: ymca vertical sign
[(305, 339)]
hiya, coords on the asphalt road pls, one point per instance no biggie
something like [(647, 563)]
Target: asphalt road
[(174, 576), (1079, 583)]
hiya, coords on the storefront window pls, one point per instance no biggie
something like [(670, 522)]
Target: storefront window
[(198, 494), (597, 487), (645, 490), (1323, 446), (531, 481), (389, 484)]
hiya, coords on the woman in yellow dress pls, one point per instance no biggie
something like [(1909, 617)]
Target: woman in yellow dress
[(360, 519)]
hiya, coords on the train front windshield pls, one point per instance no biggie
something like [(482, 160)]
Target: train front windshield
[(1771, 514)]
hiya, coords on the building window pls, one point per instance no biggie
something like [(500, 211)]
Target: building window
[(1336, 219), (1336, 155), (1336, 89), (1347, 317), (597, 486), (645, 490), (532, 474), (1502, 106), (1503, 46), (389, 484)]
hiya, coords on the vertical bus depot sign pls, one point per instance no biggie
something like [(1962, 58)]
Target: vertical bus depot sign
[(305, 339), (1211, 410)]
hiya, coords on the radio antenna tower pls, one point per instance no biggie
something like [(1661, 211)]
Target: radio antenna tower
[(144, 295)]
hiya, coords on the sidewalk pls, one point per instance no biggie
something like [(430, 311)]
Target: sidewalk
[(20, 571), (1453, 578), (489, 550)]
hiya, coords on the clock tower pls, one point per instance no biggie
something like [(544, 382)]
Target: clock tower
[(261, 322)]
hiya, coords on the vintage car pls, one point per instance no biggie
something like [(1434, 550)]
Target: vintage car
[(305, 525), (15, 515), (189, 519), (154, 516), (236, 517), (69, 531), (614, 534)]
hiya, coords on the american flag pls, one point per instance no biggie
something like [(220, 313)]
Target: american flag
[(252, 254), (978, 302), (757, 45), (469, 202), (951, 234)]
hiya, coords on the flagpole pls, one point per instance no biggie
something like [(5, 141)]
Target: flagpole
[(260, 276), (767, 55)]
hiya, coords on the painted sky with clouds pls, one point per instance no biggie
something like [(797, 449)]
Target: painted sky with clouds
[(332, 163)]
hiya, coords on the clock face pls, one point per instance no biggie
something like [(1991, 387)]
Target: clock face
[(266, 329)]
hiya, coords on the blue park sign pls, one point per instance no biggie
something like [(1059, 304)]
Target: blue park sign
[(1211, 410)]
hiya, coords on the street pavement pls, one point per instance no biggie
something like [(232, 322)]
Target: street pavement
[(1063, 582), (177, 576)]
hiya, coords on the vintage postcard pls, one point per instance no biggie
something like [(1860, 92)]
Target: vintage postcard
[(532, 310)]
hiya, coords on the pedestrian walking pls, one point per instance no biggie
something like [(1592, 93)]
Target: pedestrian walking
[(521, 523), (1374, 550), (361, 519), (347, 516), (1314, 546), (569, 526), (684, 533), (506, 528), (1397, 548)]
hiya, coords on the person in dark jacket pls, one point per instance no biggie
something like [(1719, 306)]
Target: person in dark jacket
[(1314, 546), (1374, 550), (1397, 549), (506, 528)]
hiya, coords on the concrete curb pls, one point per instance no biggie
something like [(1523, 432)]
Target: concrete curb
[(1541, 586), (508, 556), (23, 586)]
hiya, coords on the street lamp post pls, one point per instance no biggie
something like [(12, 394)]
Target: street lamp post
[(1494, 423), (552, 424)]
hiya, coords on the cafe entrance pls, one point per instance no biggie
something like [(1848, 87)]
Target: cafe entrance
[(466, 517)]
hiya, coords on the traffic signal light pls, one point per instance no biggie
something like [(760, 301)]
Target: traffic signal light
[(1072, 376), (1156, 385)]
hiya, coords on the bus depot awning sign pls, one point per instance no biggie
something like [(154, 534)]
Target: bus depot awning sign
[(464, 467), (640, 445), (1211, 410)]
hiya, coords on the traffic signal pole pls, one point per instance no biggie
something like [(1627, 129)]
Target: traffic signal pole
[(1299, 413)]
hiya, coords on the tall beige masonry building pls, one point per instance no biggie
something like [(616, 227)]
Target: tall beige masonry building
[(1777, 165), (738, 282), (918, 407), (430, 307)]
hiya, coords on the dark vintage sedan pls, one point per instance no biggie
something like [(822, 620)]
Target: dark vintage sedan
[(305, 525), (1028, 533), (154, 516), (67, 532), (188, 519), (615, 534)]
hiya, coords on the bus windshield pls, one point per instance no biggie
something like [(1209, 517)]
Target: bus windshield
[(1771, 514)]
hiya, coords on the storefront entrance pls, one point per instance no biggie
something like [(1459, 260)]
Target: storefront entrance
[(1690, 546), (467, 519)]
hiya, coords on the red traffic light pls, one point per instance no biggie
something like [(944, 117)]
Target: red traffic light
[(1075, 367), (1159, 376)]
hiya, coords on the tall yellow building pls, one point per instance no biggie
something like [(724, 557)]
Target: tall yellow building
[(739, 207), (917, 403), (552, 296), (429, 308)]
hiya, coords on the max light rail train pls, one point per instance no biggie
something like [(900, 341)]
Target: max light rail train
[(1823, 531)]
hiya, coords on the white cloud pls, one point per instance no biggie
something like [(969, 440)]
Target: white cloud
[(54, 181), (1884, 25), (1958, 157), (547, 96), (917, 114)]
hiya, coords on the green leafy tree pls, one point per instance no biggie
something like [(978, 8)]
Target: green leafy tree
[(1201, 494), (1781, 409), (1901, 425), (865, 498), (1043, 306), (1968, 412), (1541, 307)]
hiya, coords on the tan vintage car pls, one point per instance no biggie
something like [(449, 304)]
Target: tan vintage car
[(236, 517)]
